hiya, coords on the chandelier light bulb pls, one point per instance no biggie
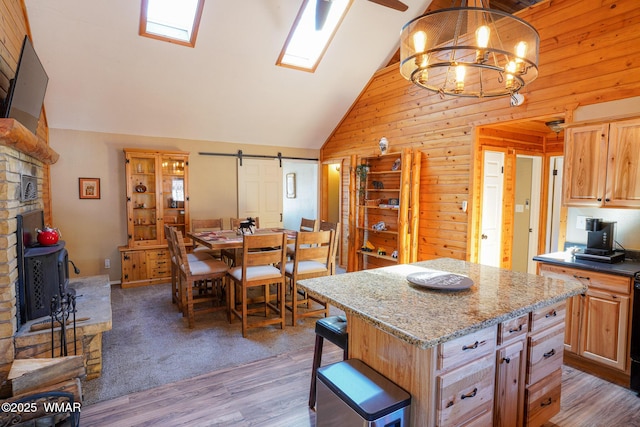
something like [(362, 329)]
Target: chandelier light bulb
[(482, 40), (511, 69), (419, 41), (482, 36), (460, 70)]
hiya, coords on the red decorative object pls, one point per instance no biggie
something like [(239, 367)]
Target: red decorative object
[(48, 236)]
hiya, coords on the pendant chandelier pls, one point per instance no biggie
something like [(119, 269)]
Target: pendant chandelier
[(469, 51)]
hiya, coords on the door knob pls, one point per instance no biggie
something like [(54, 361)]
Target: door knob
[(484, 237)]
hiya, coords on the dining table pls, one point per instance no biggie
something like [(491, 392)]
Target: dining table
[(232, 239)]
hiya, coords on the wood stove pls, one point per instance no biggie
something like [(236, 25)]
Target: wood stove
[(43, 271)]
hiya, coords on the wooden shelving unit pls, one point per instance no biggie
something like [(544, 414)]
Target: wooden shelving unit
[(385, 196)]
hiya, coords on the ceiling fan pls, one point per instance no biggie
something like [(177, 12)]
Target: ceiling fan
[(323, 6)]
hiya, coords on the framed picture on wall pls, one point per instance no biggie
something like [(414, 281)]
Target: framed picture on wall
[(89, 188), (291, 185)]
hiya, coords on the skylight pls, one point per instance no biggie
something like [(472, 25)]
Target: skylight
[(175, 21), (305, 45)]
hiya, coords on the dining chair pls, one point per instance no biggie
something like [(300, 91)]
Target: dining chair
[(232, 256), (211, 224), (263, 261), (194, 277), (313, 259), (169, 232), (306, 224), (335, 226)]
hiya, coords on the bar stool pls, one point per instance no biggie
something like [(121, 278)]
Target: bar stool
[(333, 328)]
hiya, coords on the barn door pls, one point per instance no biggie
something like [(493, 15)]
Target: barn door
[(260, 191)]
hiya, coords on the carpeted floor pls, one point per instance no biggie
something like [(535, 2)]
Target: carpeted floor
[(150, 343)]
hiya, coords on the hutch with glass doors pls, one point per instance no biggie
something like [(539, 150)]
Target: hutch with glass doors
[(157, 195)]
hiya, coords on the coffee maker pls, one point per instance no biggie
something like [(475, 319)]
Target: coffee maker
[(600, 239)]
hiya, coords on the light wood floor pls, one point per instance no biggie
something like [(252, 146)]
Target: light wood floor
[(274, 392)]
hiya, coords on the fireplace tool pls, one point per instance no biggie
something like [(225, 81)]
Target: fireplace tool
[(63, 307)]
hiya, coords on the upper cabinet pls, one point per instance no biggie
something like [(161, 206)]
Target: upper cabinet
[(156, 195), (602, 165)]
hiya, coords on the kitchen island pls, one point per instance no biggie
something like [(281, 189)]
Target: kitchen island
[(442, 346)]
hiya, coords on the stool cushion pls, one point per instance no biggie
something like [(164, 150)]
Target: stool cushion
[(334, 329)]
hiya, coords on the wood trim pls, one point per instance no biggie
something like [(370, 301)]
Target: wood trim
[(13, 134)]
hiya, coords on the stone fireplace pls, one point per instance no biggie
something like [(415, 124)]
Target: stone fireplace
[(22, 155)]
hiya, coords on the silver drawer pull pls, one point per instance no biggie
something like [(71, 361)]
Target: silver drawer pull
[(549, 354), (470, 347), (472, 394)]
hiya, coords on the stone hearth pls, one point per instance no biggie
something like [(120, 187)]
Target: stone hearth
[(93, 317)]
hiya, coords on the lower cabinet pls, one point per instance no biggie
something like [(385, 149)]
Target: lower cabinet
[(543, 399), (597, 323), (465, 380), (511, 364), (148, 266), (509, 398)]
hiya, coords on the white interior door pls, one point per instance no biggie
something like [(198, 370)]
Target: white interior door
[(491, 226), (260, 191)]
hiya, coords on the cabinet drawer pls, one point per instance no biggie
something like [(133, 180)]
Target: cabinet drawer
[(461, 350), (513, 328), (544, 354), (158, 272), (158, 263), (466, 393), (157, 255), (608, 282), (542, 400), (547, 316)]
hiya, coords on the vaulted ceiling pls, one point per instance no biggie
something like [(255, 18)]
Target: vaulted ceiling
[(104, 77)]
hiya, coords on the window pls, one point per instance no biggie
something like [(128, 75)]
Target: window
[(174, 21), (305, 44)]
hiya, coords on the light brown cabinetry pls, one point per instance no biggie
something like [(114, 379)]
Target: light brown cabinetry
[(144, 266), (478, 379), (511, 358), (602, 165), (385, 197), (597, 323), (156, 195), (544, 364), (465, 379)]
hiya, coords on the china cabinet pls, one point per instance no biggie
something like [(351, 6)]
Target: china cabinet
[(156, 195)]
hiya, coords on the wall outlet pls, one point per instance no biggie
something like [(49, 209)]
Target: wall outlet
[(107, 263), (581, 222)]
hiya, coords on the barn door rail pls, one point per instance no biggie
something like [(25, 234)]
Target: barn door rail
[(240, 155)]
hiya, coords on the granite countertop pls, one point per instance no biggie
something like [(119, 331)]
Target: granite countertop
[(426, 318), (626, 268)]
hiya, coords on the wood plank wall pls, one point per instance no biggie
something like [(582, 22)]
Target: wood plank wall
[(15, 25), (588, 53)]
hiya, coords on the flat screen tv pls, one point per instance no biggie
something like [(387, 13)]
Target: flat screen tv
[(26, 90)]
